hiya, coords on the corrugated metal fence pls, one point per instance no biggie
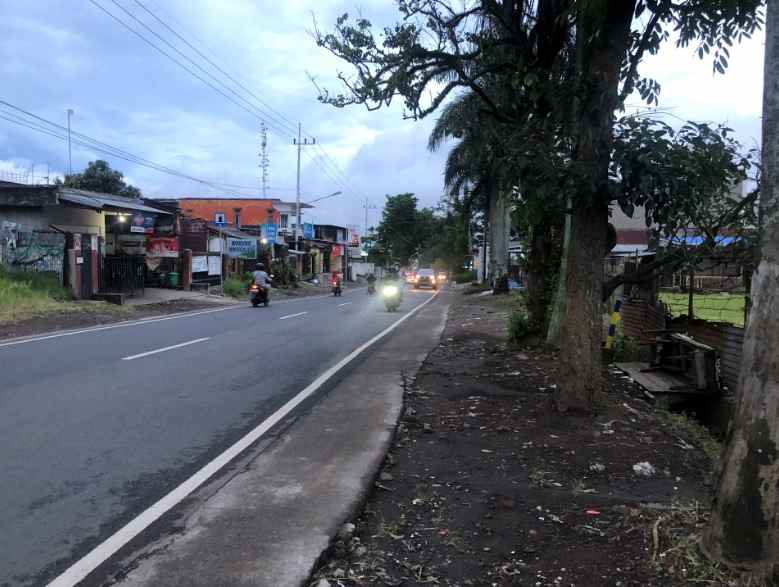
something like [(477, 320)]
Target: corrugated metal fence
[(728, 340), (639, 317)]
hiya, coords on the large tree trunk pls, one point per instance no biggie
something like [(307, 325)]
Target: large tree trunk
[(602, 39), (499, 233), (537, 300), (561, 294), (744, 527)]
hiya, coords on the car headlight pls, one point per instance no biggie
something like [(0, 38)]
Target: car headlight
[(390, 290)]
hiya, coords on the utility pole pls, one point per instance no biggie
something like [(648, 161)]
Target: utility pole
[(264, 160), (367, 207), (300, 142), (70, 157)]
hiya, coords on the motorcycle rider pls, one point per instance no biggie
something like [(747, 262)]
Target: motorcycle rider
[(371, 279), (261, 277)]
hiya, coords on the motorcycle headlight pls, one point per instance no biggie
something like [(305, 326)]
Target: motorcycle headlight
[(390, 290)]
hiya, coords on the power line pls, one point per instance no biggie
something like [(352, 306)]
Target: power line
[(280, 127), (59, 132)]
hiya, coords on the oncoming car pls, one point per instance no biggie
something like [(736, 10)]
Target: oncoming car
[(425, 277)]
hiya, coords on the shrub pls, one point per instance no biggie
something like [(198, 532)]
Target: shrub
[(519, 325), (236, 288), (464, 277), (45, 282)]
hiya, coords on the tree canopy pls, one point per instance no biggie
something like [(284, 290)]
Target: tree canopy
[(100, 177)]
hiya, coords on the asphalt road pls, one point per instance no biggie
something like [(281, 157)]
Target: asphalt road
[(96, 426)]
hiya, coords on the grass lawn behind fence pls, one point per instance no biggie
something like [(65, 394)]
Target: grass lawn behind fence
[(716, 307)]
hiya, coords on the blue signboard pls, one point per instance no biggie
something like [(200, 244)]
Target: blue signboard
[(241, 248), (308, 231), (269, 231)]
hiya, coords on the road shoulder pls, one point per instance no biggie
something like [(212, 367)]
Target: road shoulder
[(270, 522)]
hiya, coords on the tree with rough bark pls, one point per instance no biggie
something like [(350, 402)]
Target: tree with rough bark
[(744, 527), (575, 61)]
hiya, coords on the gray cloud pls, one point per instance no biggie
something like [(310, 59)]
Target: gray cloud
[(60, 55)]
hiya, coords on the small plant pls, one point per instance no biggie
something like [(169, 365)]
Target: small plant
[(464, 277), (236, 288), (519, 325), (627, 349)]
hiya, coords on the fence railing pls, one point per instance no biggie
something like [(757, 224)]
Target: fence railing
[(123, 274)]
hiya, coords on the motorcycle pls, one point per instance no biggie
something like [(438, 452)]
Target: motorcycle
[(371, 288), (391, 295), (336, 287), (259, 295)]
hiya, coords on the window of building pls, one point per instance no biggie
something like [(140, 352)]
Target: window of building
[(219, 217), (284, 221), (237, 212)]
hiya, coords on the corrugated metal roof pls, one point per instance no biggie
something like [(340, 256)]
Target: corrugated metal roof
[(98, 201)]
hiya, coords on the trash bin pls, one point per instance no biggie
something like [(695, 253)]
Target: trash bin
[(173, 279)]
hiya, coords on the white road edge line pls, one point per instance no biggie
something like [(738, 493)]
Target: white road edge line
[(344, 304), (142, 321), (125, 324), (292, 315), (164, 349), (103, 551)]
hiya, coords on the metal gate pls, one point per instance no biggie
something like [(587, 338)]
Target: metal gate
[(123, 274)]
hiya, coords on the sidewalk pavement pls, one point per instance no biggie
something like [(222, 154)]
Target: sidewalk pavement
[(269, 524), (158, 295)]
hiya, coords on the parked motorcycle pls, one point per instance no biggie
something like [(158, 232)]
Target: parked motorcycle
[(259, 295), (391, 295), (336, 287)]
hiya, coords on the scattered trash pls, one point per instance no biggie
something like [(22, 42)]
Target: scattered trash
[(322, 583), (386, 477), (339, 573), (346, 531), (597, 467), (592, 512), (427, 428), (644, 469)]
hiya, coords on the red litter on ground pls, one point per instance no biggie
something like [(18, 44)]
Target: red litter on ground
[(592, 512)]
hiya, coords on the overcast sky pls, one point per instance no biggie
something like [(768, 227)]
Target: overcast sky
[(58, 55)]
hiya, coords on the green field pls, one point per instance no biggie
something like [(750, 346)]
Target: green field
[(716, 307)]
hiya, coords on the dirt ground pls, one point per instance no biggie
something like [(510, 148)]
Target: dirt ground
[(486, 485)]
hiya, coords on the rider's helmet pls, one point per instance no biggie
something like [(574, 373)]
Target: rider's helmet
[(260, 266)]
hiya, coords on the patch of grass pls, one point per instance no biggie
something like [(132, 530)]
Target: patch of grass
[(26, 295), (464, 277), (688, 429), (236, 288), (716, 307)]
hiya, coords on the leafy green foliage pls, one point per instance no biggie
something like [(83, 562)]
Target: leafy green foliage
[(100, 177), (519, 325)]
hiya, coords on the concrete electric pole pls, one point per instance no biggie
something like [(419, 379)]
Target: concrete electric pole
[(70, 158), (300, 142)]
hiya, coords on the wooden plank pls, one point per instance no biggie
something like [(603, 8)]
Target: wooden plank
[(655, 381)]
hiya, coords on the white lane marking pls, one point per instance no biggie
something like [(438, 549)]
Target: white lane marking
[(292, 315), (103, 551), (344, 304), (164, 349), (125, 324)]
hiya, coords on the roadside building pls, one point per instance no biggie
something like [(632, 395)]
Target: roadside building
[(97, 243)]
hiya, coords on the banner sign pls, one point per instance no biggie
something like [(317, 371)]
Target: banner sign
[(337, 251), (241, 248), (308, 231), (270, 232), (199, 264), (142, 223), (163, 247), (354, 235)]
